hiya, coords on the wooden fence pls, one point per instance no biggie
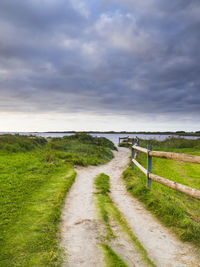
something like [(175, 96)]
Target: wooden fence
[(127, 140), (123, 138), (166, 155)]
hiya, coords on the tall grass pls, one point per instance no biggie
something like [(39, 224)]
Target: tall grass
[(83, 149), (18, 143), (172, 143)]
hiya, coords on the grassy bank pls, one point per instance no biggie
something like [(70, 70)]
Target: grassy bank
[(35, 176), (106, 210), (177, 211)]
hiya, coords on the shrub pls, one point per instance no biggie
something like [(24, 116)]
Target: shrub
[(19, 143)]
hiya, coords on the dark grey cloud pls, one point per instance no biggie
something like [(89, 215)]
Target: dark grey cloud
[(119, 57)]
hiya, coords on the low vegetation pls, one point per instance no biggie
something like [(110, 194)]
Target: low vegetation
[(111, 258), (17, 143), (103, 200), (83, 149), (35, 176), (174, 143), (106, 210), (179, 212)]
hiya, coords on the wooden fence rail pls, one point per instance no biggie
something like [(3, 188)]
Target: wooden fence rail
[(166, 155), (127, 140), (169, 155)]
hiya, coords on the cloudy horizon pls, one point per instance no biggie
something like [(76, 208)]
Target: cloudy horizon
[(124, 65)]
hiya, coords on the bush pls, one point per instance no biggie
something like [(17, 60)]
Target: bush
[(19, 143), (88, 139)]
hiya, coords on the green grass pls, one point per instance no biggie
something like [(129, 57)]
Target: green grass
[(103, 200), (18, 143), (111, 258), (106, 209), (169, 143), (177, 211), (82, 149), (34, 180)]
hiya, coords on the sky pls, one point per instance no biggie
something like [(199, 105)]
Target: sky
[(122, 65)]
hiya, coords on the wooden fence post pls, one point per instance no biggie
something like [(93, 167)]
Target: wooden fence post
[(149, 162), (137, 141), (137, 144), (133, 154)]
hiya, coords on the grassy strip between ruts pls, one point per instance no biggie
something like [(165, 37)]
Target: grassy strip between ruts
[(179, 212), (35, 176), (111, 258), (106, 208)]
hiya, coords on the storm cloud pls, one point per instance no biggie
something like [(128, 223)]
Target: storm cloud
[(125, 57)]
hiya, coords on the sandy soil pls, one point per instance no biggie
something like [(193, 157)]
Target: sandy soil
[(127, 251), (80, 229)]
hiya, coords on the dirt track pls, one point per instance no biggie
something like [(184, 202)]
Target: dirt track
[(80, 229)]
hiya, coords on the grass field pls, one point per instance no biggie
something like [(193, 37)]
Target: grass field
[(179, 212), (35, 176)]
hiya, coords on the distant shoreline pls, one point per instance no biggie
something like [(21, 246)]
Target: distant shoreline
[(180, 133), (123, 132)]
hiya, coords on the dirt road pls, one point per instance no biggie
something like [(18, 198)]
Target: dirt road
[(80, 228)]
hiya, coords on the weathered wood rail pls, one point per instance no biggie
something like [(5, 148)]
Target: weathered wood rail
[(166, 155), (127, 140), (123, 138)]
